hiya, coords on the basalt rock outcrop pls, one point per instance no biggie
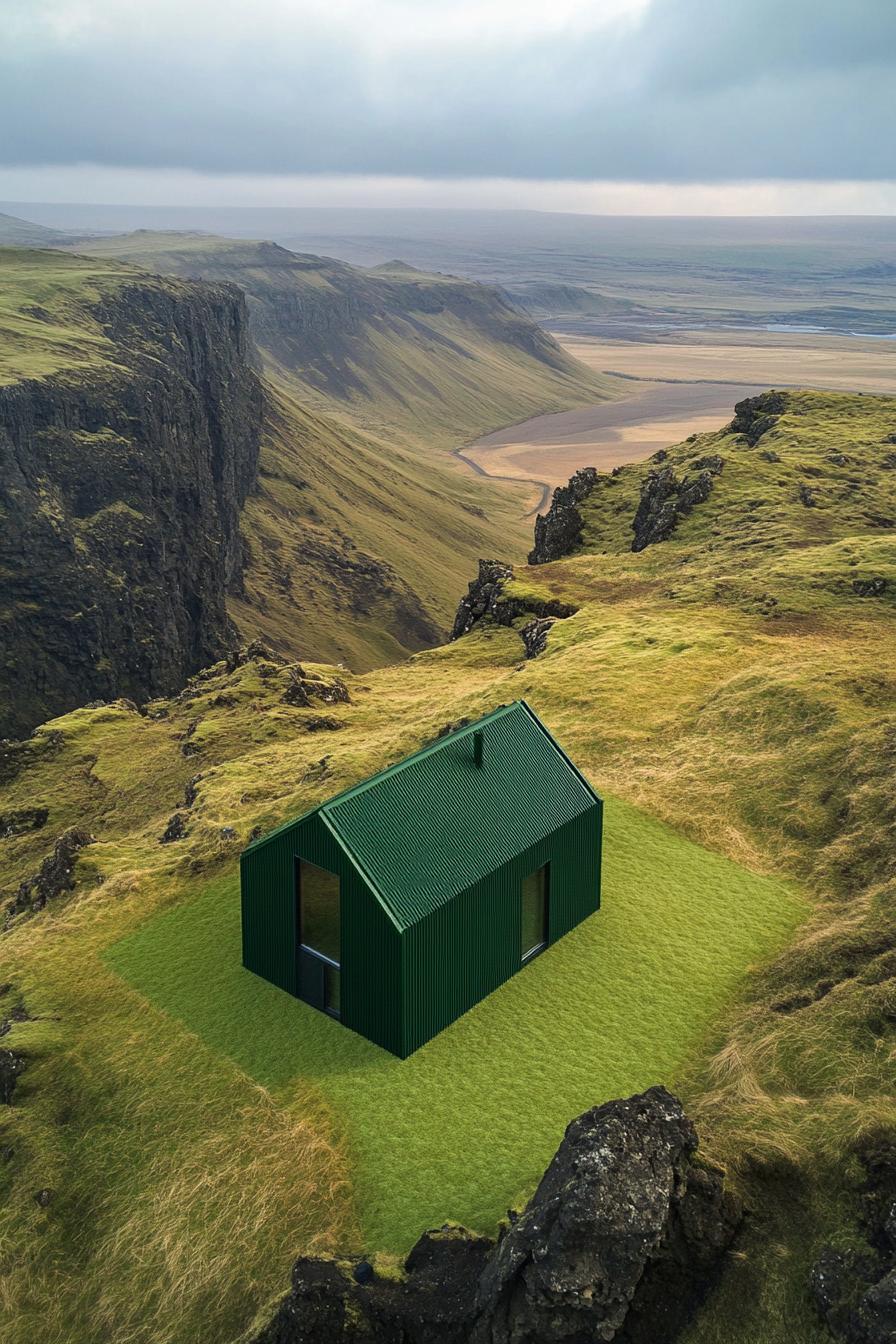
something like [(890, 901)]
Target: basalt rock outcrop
[(559, 531), (121, 486), (487, 598), (666, 499), (855, 1290), (12, 1063), (619, 1242), (54, 876), (755, 416)]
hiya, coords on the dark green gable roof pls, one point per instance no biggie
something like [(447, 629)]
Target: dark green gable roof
[(436, 823)]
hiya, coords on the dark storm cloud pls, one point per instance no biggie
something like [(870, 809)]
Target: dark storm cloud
[(707, 90)]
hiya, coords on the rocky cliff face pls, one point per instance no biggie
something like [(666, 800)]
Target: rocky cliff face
[(120, 492), (619, 1242), (559, 531)]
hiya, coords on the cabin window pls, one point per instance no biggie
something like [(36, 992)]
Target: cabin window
[(534, 922), (319, 928), (319, 910)]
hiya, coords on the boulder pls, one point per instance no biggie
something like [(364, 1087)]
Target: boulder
[(755, 416), (486, 598), (620, 1241), (855, 1290), (175, 830), (534, 635), (482, 597)]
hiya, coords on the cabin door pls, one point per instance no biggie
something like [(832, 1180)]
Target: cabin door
[(320, 936)]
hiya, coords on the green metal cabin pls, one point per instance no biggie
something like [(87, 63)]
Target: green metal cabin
[(400, 903)]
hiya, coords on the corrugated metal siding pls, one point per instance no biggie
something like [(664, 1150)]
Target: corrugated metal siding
[(439, 824), (464, 950), (267, 888), (371, 953)]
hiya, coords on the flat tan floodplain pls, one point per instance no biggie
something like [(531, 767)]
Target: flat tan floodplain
[(836, 363), (683, 386)]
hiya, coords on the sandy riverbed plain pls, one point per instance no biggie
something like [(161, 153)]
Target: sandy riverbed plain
[(685, 384)]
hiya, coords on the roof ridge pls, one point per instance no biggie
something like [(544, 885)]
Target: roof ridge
[(387, 771), (429, 749)]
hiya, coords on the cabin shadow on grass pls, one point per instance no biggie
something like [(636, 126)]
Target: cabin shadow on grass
[(464, 1127)]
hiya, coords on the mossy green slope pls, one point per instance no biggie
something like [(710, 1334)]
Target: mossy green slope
[(354, 552), (46, 318), (761, 730)]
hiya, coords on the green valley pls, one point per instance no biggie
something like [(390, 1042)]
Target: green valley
[(374, 376)]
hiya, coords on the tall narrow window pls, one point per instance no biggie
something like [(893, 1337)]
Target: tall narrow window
[(534, 921), (319, 930)]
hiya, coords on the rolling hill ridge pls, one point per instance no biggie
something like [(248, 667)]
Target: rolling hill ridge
[(430, 358)]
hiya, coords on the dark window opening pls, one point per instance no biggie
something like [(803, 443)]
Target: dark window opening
[(319, 931), (534, 923)]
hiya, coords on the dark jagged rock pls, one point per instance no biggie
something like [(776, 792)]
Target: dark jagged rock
[(12, 1064), (22, 820), (559, 531), (656, 514), (322, 724), (121, 487), (17, 756), (55, 875), (620, 1238), (296, 694), (807, 496), (303, 687), (869, 587), (534, 635), (487, 599), (769, 455), (855, 1290), (254, 652), (755, 416), (175, 830), (483, 596), (665, 499), (619, 1242)]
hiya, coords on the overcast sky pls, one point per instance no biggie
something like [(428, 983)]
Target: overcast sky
[(724, 105)]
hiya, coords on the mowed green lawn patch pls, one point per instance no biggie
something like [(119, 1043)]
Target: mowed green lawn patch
[(463, 1128)]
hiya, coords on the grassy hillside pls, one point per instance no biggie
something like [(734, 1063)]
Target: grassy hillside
[(432, 358), (730, 688), (354, 553), (15, 232), (47, 322)]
